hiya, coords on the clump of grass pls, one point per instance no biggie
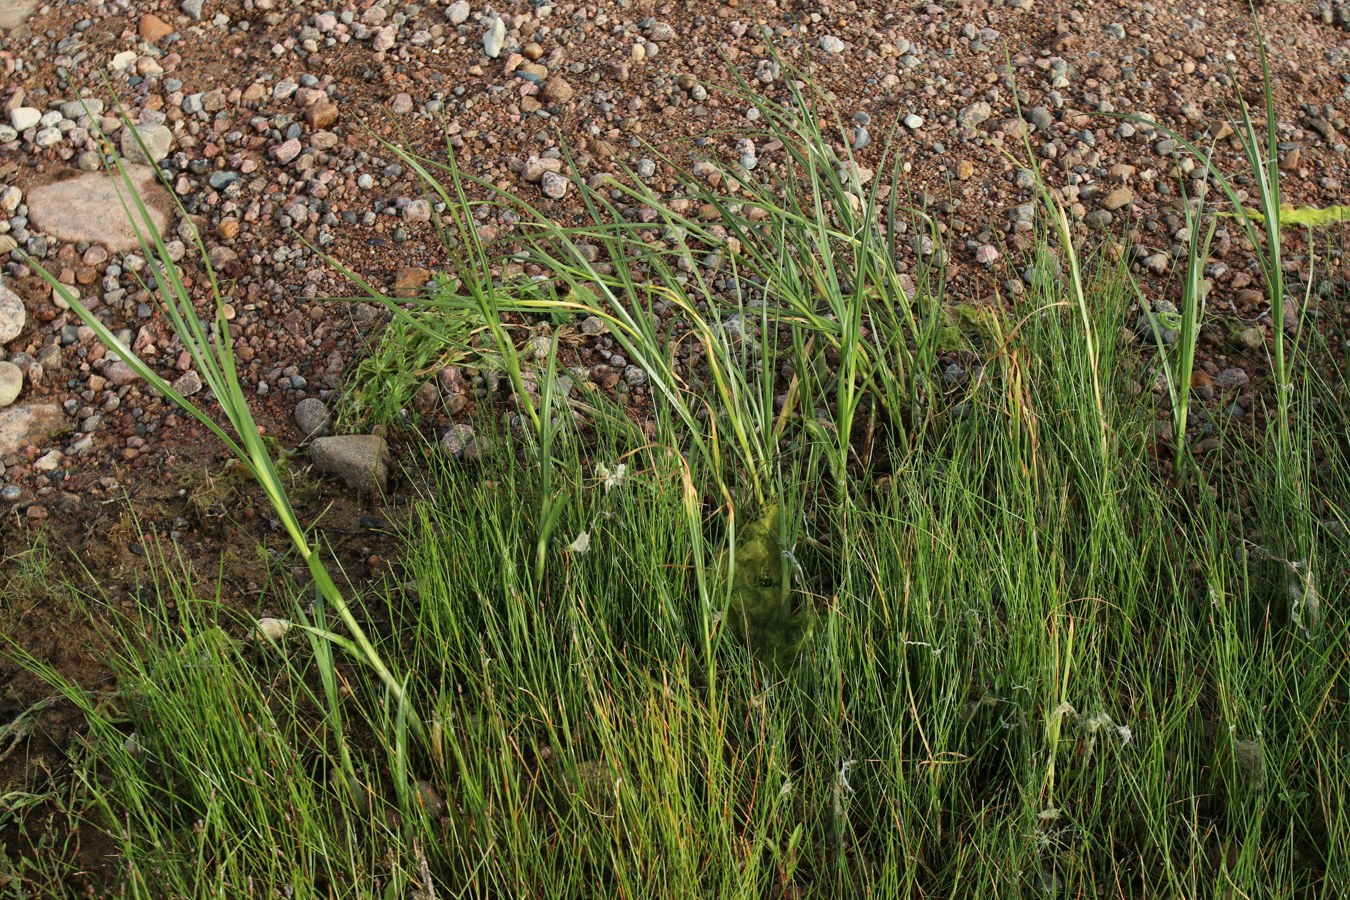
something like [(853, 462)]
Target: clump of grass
[(409, 350), (1178, 364), (1028, 665)]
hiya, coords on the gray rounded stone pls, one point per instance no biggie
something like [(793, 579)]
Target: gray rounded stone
[(361, 460), (311, 417), (12, 315), (11, 383), (158, 141)]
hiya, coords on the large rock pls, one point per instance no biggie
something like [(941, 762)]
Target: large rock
[(14, 13), (29, 424), (88, 208), (12, 315), (361, 460)]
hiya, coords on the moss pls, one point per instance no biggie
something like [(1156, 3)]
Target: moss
[(762, 612)]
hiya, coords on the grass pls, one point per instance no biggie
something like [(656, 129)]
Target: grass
[(837, 627)]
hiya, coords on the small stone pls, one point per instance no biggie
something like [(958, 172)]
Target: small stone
[(11, 383), (965, 170), (975, 114), (384, 39), (495, 38), (831, 44), (312, 418), (122, 62), (188, 383), (360, 460), (158, 141), (457, 12), (553, 185), (12, 315), (1040, 118), (154, 29), (193, 9), (287, 150), (1118, 198), (557, 90), (119, 373), (321, 115), (417, 211), (460, 442), (593, 325), (270, 629), (1157, 263), (24, 117), (913, 121), (536, 167), (1166, 319), (986, 255), (411, 281), (1098, 220), (1249, 337)]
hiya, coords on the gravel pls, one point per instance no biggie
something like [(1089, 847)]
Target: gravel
[(258, 123)]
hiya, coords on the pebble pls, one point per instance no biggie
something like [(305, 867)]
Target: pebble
[(831, 44), (287, 151), (24, 117), (457, 12), (384, 39), (553, 185), (913, 121), (270, 629), (1249, 337), (322, 114), (460, 442), (12, 315), (975, 114), (418, 210), (188, 384), (1117, 199), (157, 140), (495, 38), (557, 90), (154, 29), (11, 383), (14, 13), (1040, 118), (312, 418), (359, 460)]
